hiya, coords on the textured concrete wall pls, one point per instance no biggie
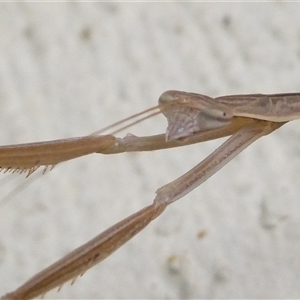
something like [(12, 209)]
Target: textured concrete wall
[(68, 69)]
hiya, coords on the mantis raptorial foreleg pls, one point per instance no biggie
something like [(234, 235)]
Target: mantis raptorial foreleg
[(132, 143), (215, 161), (28, 157), (191, 118), (96, 250)]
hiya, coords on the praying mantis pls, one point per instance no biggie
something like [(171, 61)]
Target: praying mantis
[(192, 118)]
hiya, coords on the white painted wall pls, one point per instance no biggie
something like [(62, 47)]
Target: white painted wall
[(68, 69)]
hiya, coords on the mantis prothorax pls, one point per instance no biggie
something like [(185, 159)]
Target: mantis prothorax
[(192, 118)]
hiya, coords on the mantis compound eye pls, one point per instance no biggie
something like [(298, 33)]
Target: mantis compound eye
[(167, 97)]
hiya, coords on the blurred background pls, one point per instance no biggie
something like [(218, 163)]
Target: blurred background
[(69, 69)]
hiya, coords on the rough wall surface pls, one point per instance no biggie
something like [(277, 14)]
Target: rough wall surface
[(68, 69)]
